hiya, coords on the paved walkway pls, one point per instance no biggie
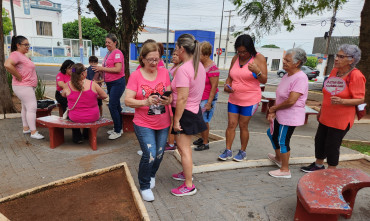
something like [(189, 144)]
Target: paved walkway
[(238, 194)]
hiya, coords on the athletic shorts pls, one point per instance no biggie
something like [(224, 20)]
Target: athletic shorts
[(244, 111)]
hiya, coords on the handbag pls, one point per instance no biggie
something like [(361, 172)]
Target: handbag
[(360, 109), (65, 114)]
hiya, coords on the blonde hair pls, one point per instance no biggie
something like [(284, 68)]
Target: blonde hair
[(192, 47), (206, 48), (146, 49)]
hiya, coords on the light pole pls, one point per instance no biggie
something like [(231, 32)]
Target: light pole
[(168, 33), (13, 19), (80, 32), (219, 40)]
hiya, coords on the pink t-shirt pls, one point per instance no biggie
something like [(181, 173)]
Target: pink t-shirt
[(109, 61), (155, 117), (295, 115), (184, 77), (246, 87), (211, 71), (86, 109), (26, 68), (62, 77), (160, 65)]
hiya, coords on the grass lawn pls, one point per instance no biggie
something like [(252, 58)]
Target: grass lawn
[(358, 146)]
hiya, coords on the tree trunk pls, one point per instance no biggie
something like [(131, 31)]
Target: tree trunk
[(365, 49), (125, 48), (93, 50), (6, 102)]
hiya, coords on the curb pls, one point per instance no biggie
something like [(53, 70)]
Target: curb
[(46, 64)]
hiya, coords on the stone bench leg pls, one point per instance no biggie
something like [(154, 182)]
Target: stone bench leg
[(301, 214), (93, 131), (264, 107), (350, 195), (56, 136)]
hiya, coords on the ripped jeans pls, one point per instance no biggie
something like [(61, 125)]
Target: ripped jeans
[(152, 143)]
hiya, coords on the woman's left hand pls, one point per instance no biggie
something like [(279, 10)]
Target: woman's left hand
[(207, 106), (336, 100), (176, 126), (253, 67), (271, 116), (165, 100)]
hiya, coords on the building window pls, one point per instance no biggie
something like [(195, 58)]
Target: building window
[(44, 28)]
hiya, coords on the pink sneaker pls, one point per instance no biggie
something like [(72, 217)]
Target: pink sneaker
[(169, 148), (179, 176), (279, 174), (273, 159), (183, 190)]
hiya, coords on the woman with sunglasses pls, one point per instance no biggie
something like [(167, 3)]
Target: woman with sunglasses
[(147, 92), (338, 110), (82, 97), (24, 83), (248, 69)]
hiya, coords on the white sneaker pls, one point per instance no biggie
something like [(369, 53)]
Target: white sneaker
[(114, 136), (152, 182), (140, 152), (111, 131), (27, 131), (147, 195), (37, 136)]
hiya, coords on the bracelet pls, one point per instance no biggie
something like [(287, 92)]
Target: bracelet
[(259, 74)]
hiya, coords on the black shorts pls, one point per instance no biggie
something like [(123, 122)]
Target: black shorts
[(191, 123), (100, 102)]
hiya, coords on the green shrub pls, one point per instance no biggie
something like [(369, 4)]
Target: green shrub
[(311, 62), (40, 89)]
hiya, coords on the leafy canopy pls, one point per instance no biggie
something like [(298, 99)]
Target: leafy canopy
[(7, 23), (270, 46), (311, 62), (266, 16), (90, 30)]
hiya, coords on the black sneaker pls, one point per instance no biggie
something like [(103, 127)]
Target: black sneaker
[(198, 142), (202, 147), (312, 167)]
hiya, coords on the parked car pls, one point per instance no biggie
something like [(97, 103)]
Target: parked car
[(310, 72)]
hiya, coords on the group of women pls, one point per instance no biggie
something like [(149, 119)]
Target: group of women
[(169, 102)]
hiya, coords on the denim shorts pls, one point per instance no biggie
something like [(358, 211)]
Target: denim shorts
[(242, 110), (207, 115)]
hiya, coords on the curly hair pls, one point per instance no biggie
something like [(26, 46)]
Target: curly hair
[(77, 70)]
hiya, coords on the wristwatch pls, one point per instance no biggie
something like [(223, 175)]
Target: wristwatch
[(259, 74)]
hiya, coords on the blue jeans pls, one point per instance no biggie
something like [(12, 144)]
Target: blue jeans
[(115, 91), (152, 143)]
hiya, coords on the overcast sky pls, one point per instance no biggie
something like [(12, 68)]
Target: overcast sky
[(206, 15)]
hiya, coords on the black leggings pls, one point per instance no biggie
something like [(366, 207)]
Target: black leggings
[(61, 100), (327, 143)]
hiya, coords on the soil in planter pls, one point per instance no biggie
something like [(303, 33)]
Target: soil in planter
[(103, 197)]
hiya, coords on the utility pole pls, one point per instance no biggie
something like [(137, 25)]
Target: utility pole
[(168, 33), (80, 32), (13, 17), (219, 40), (332, 25), (227, 38)]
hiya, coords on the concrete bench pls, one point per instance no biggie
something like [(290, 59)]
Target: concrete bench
[(309, 111), (57, 124), (323, 195), (264, 105), (127, 115), (42, 112)]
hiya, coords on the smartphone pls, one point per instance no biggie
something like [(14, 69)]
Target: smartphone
[(167, 93), (229, 87)]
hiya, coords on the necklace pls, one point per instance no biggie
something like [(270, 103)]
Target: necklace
[(241, 65), (341, 75)]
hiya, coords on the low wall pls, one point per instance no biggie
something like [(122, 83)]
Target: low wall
[(57, 60)]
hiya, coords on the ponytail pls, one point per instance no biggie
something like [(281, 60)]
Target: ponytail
[(77, 70), (16, 40), (196, 58)]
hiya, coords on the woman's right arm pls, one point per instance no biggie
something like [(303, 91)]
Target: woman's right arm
[(229, 80), (130, 100), (101, 93), (10, 67), (61, 84)]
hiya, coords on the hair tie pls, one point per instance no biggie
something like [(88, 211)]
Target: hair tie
[(73, 70), (195, 41)]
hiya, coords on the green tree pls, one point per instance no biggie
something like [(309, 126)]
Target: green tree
[(311, 62), (7, 23), (267, 16), (126, 23), (90, 30), (6, 103), (270, 46)]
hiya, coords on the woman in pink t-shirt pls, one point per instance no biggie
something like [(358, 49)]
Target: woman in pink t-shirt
[(188, 86), (289, 110), (24, 83), (82, 97), (248, 69), (62, 78), (145, 92), (114, 73)]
